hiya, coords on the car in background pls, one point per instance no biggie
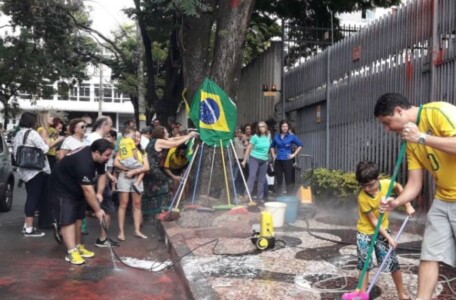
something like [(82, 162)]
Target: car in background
[(6, 176)]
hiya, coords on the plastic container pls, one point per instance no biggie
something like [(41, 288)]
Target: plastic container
[(277, 211), (292, 207)]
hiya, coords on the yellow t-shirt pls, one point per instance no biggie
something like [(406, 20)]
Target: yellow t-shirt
[(140, 157), (368, 203), (126, 147), (51, 133), (174, 161), (437, 119)]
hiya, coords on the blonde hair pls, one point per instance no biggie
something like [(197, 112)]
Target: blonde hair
[(42, 120)]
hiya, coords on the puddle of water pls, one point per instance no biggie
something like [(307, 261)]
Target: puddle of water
[(154, 266)]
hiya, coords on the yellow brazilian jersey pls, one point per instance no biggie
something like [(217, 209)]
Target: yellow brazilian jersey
[(126, 147), (174, 161), (437, 119), (368, 203)]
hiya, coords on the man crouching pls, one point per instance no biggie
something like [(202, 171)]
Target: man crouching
[(72, 186)]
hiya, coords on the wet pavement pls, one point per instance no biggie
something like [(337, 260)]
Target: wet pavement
[(314, 258), (34, 268)]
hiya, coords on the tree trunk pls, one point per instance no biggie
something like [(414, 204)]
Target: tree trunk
[(223, 65), (232, 22), (195, 48)]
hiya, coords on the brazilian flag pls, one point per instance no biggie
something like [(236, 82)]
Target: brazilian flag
[(214, 114)]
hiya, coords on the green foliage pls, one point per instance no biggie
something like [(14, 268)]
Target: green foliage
[(43, 48), (332, 183)]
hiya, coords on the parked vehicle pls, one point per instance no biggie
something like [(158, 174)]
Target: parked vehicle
[(6, 176)]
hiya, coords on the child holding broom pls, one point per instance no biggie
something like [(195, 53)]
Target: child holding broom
[(373, 189)]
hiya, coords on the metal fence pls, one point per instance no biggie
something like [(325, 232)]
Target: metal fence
[(331, 96)]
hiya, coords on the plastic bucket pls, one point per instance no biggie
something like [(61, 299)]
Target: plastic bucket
[(277, 211), (292, 207)]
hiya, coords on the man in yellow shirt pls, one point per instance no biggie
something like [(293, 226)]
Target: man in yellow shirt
[(430, 131), (175, 164)]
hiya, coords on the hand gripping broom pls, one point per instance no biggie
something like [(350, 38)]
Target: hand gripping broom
[(358, 295)]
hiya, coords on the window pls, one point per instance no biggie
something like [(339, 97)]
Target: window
[(84, 92)]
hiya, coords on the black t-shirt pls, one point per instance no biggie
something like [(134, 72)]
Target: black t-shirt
[(75, 169)]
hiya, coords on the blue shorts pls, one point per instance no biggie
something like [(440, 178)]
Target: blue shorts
[(381, 248)]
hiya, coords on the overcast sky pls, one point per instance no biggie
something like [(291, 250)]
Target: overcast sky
[(107, 14)]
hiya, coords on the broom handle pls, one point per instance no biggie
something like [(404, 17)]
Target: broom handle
[(385, 259), (230, 161), (186, 176), (210, 175), (225, 172), (181, 182), (198, 173), (380, 218), (242, 173)]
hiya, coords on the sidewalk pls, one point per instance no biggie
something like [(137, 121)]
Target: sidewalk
[(317, 262)]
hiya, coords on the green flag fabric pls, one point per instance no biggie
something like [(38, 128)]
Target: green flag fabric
[(190, 149), (214, 114)]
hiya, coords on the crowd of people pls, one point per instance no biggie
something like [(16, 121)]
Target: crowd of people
[(82, 167), (90, 169)]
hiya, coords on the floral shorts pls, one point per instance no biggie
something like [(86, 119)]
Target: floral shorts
[(381, 248)]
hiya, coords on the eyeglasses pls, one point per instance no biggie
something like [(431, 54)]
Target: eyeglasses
[(369, 184)]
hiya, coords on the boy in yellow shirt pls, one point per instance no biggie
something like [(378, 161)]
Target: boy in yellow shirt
[(373, 189), (129, 156)]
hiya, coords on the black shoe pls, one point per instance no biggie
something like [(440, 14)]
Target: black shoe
[(34, 233), (57, 234), (106, 243)]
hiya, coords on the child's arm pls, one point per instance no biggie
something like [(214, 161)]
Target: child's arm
[(135, 153), (408, 207), (373, 220)]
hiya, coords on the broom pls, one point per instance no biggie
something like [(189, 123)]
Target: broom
[(252, 206), (229, 205), (358, 295)]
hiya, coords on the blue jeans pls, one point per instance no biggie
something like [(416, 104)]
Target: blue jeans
[(257, 171)]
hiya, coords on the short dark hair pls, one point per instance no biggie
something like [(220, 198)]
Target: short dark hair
[(387, 102), (73, 123), (366, 171), (101, 145), (113, 133), (28, 120)]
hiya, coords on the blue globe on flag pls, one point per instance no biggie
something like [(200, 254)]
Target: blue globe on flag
[(210, 111)]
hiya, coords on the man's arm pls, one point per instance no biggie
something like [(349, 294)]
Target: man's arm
[(411, 134), (101, 184), (411, 190), (91, 198)]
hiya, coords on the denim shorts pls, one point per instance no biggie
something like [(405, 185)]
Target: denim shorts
[(381, 248)]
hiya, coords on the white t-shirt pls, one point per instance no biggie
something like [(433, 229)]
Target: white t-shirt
[(88, 140), (144, 141), (71, 143)]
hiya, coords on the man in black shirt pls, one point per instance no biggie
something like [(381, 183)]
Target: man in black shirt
[(72, 186)]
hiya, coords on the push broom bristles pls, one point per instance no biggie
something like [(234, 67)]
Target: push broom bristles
[(357, 295)]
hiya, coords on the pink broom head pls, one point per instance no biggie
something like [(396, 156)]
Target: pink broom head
[(355, 296)]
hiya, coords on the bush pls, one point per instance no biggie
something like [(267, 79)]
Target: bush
[(332, 183)]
